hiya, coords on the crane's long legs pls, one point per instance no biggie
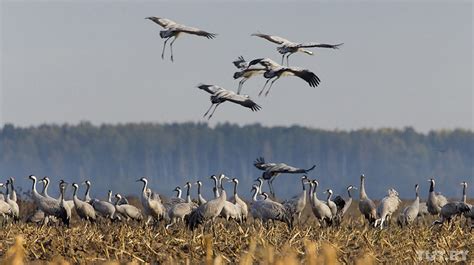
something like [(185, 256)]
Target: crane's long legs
[(268, 90), (212, 113), (270, 185), (164, 46), (261, 91), (171, 47), (288, 59), (212, 104), (241, 83)]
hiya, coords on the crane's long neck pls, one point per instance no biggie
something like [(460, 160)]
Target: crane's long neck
[(33, 188), (188, 195), (216, 190), (310, 192), (254, 196), (45, 188), (464, 197), (235, 188), (349, 193), (8, 192), (223, 196), (145, 184), (362, 193), (74, 193), (86, 195), (109, 196), (260, 183), (432, 186), (315, 194), (329, 197), (61, 195)]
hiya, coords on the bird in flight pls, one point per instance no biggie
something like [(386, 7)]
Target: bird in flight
[(245, 72), (272, 170), (275, 71), (289, 47), (220, 95), (173, 29)]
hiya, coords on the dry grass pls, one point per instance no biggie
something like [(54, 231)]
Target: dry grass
[(353, 242)]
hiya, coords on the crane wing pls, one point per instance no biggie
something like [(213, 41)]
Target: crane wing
[(211, 89), (274, 39), (340, 202), (319, 45), (194, 31), (261, 164), (241, 100), (284, 168), (308, 76), (164, 22), (240, 63)]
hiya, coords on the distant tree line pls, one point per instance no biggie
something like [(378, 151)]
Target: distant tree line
[(114, 156)]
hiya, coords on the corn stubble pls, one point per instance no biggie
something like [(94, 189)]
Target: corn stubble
[(133, 243)]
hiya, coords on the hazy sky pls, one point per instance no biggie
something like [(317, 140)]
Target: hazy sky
[(402, 64)]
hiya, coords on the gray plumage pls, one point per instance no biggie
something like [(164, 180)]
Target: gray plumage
[(245, 73), (50, 206), (343, 204), (275, 71), (15, 210), (288, 47), (450, 210), (266, 209), (330, 203), (83, 209), (201, 199), (5, 208), (435, 201), (220, 95), (321, 210), (208, 211), (272, 170), (87, 197), (180, 211), (104, 208), (366, 205), (128, 211), (46, 182), (238, 201), (387, 207), (296, 205), (153, 208), (13, 196), (470, 213), (410, 213), (173, 29)]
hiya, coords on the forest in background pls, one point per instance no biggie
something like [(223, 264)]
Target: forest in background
[(114, 156)]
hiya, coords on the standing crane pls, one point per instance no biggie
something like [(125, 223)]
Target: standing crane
[(238, 201), (128, 211), (83, 209), (321, 210), (104, 208), (180, 211), (173, 29), (387, 207), (410, 213), (153, 208), (9, 199), (343, 204), (201, 199), (366, 205), (288, 47), (297, 204), (209, 210), (272, 170), (435, 200), (220, 95)]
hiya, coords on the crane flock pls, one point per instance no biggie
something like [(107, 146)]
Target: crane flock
[(192, 213), (262, 207)]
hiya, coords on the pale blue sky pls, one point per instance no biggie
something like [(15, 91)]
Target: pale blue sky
[(403, 63)]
